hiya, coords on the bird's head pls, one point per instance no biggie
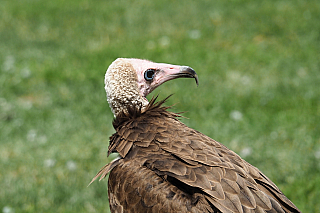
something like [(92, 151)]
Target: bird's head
[(129, 81)]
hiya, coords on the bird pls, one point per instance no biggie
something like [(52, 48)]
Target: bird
[(166, 166)]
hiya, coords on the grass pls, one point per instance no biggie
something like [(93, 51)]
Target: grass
[(258, 64)]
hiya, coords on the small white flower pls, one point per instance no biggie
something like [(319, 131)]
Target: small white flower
[(317, 154), (7, 209), (150, 45), (25, 72), (194, 34), (246, 80), (18, 122), (26, 104), (274, 135), (31, 136), (8, 63), (164, 41), (49, 162), (71, 165), (4, 105), (43, 29), (245, 152), (236, 115)]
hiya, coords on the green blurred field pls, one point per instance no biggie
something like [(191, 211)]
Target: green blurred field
[(259, 93)]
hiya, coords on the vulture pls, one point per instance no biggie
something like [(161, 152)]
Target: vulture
[(165, 166)]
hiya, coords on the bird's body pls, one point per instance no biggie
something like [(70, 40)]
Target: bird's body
[(165, 166)]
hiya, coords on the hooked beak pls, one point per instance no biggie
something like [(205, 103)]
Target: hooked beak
[(173, 72), (185, 72)]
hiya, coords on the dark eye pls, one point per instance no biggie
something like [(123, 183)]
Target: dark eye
[(149, 74)]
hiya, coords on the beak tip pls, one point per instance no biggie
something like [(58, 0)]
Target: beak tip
[(193, 74), (186, 72), (196, 79)]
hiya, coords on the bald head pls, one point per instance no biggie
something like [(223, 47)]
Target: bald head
[(129, 81)]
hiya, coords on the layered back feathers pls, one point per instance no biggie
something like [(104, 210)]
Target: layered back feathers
[(166, 166)]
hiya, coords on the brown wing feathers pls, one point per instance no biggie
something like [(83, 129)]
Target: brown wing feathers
[(179, 164)]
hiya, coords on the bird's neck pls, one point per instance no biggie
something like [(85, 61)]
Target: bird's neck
[(125, 102)]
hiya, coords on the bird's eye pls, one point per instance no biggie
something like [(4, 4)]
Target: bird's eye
[(149, 74)]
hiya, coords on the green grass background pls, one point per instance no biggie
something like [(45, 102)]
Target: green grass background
[(259, 69)]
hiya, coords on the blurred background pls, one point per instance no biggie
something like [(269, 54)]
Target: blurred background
[(259, 94)]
